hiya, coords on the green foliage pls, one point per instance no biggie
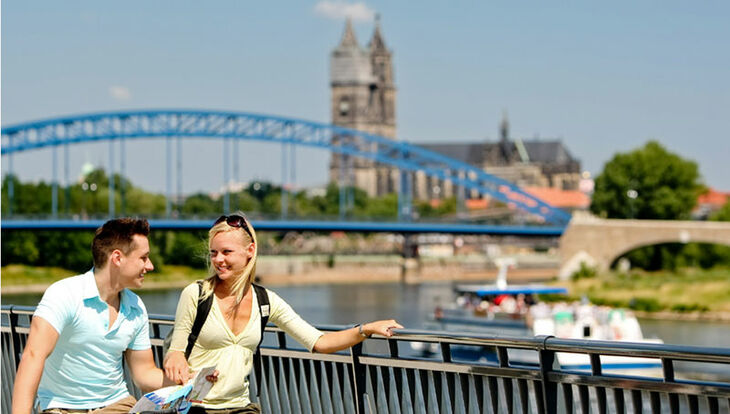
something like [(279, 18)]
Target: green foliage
[(244, 201), (89, 198), (672, 256), (186, 248), (666, 185), (143, 203), (722, 214), (200, 204), (585, 272), (645, 304), (19, 247), (271, 204), (446, 206), (261, 189), (385, 207), (691, 307), (69, 250), (684, 290)]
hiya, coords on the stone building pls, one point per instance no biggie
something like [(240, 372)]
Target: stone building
[(363, 98), (526, 163)]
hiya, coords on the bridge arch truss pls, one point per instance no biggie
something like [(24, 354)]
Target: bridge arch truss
[(407, 158)]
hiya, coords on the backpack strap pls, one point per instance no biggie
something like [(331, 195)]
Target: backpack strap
[(263, 299), (200, 317)]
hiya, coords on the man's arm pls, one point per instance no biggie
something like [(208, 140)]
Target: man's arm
[(145, 373), (41, 342)]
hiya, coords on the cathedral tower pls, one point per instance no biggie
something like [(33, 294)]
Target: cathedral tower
[(363, 98)]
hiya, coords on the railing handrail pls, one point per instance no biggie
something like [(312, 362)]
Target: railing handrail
[(367, 368), (618, 348)]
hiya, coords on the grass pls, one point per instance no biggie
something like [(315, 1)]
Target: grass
[(686, 290)]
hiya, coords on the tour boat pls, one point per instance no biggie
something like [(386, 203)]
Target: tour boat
[(514, 310)]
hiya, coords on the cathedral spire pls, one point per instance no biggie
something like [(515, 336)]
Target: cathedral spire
[(504, 127), (377, 43), (348, 38)]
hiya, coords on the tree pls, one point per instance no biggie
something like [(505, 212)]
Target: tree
[(647, 183), (722, 214)]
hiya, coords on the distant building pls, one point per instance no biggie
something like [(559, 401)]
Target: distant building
[(364, 98), (709, 202), (536, 163)]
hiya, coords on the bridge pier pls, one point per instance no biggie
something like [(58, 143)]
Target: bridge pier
[(410, 264)]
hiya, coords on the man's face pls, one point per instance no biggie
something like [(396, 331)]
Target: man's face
[(134, 265)]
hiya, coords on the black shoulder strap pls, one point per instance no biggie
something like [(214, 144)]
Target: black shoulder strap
[(263, 298), (200, 316)]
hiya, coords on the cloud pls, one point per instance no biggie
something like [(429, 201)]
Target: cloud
[(338, 10), (120, 93)]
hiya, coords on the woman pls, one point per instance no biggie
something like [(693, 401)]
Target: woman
[(231, 331)]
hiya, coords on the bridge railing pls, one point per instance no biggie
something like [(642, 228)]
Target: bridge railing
[(384, 376)]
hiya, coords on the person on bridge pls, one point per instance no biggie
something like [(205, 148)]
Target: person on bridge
[(85, 325), (231, 332)]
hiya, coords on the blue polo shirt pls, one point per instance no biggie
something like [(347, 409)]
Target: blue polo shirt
[(85, 368)]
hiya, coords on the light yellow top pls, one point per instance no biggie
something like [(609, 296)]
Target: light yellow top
[(233, 355)]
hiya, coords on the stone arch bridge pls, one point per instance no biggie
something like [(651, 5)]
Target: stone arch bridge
[(598, 242)]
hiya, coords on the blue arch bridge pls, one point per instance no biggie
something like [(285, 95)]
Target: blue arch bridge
[(230, 128)]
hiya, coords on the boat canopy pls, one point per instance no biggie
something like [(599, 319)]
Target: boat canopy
[(485, 290)]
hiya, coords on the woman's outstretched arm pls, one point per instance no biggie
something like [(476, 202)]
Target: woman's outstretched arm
[(337, 341)]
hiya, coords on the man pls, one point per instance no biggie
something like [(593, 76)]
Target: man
[(83, 327)]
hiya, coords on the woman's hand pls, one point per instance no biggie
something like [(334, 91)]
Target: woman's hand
[(339, 340), (176, 367), (384, 327), (213, 377)]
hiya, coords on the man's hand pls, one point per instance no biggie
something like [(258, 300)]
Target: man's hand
[(41, 342), (144, 371)]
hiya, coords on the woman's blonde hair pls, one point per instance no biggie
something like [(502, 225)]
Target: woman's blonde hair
[(244, 280)]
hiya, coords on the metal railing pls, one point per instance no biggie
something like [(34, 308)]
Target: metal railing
[(385, 376)]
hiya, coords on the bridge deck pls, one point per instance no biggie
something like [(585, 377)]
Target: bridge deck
[(305, 225)]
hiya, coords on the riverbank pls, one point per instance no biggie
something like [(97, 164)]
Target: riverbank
[(313, 270), (691, 294), (686, 294)]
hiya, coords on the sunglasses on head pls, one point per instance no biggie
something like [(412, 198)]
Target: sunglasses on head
[(234, 220)]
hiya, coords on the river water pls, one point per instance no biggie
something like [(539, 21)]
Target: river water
[(411, 305)]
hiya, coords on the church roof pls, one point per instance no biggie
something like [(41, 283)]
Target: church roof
[(538, 151), (547, 151), (470, 153)]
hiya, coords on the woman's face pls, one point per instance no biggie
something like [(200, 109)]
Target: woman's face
[(229, 254)]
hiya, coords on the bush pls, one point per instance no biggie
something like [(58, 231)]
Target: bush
[(689, 307), (645, 304), (585, 272)]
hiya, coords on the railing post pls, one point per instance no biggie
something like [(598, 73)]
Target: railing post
[(17, 354), (111, 179), (359, 377), (549, 400), (11, 177), (54, 184)]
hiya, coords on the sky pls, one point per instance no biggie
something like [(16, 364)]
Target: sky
[(602, 77)]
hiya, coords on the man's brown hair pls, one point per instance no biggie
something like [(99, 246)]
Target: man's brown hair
[(117, 234)]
